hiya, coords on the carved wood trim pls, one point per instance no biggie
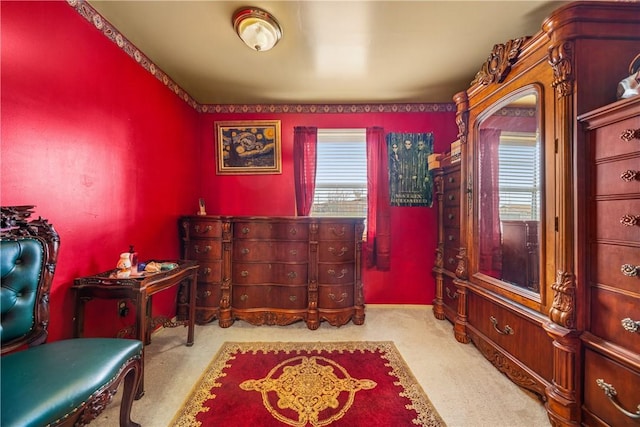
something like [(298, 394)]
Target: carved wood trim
[(499, 63), (561, 60), (564, 300)]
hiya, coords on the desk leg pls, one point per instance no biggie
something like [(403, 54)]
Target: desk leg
[(78, 319), (192, 307), (141, 328)]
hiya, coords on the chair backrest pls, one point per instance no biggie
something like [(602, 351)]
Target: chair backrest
[(28, 257)]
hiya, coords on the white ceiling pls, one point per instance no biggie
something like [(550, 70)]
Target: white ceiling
[(331, 51)]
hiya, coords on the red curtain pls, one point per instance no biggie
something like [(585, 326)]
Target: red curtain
[(490, 259), (304, 167), (378, 245)]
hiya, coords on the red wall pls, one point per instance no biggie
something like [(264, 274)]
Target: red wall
[(106, 152), (413, 229), (112, 157)]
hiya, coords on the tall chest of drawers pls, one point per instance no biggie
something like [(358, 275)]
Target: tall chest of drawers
[(447, 180), (276, 270), (611, 368)]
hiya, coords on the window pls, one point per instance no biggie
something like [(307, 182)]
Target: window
[(519, 176), (341, 174)]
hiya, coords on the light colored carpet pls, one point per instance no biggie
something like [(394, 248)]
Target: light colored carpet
[(466, 390)]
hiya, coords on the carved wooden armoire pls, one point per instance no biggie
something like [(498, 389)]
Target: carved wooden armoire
[(526, 275)]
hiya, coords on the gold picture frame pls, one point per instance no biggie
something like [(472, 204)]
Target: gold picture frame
[(248, 147)]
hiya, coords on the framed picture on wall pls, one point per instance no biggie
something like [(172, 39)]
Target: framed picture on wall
[(248, 147)]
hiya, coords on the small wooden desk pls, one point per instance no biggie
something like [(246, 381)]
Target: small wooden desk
[(139, 289)]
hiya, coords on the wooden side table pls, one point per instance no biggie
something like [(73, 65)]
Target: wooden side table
[(139, 290)]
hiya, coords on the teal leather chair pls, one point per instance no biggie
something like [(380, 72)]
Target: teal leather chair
[(66, 382)]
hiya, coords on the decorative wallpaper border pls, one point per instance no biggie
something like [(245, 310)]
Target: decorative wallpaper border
[(109, 31)]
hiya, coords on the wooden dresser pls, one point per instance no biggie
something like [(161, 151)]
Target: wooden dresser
[(276, 270), (611, 394), (447, 187)]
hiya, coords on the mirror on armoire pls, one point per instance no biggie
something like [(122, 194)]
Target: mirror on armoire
[(509, 186)]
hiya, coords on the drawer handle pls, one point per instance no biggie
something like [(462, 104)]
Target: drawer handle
[(206, 249), (451, 197), (629, 175), (292, 275), (611, 393), (451, 261), (452, 180), (451, 238), (293, 252), (206, 229), (629, 134), (507, 329), (244, 297), (451, 216), (630, 325), (337, 233), (204, 294), (448, 291), (629, 220), (206, 272), (343, 296), (244, 251), (293, 231), (343, 251), (244, 273), (292, 298), (245, 230), (343, 272), (630, 270)]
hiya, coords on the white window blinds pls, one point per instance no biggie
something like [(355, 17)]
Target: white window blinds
[(341, 174), (519, 176)]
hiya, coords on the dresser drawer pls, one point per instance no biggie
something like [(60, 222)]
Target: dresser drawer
[(617, 177), (258, 273), (269, 296), (204, 250), (336, 231), (451, 198), (525, 340), (208, 295), (626, 382), (210, 272), (608, 309), (607, 262), (451, 181), (451, 237), (338, 273), (451, 217), (450, 262), (610, 215), (449, 294), (270, 230), (276, 251), (610, 141), (203, 228), (336, 251), (335, 296)]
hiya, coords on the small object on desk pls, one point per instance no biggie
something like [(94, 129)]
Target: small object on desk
[(155, 267), (133, 257), (202, 210), (123, 266)]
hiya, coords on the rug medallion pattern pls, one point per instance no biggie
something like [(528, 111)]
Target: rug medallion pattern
[(307, 384)]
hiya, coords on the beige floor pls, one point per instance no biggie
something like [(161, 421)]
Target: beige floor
[(464, 387)]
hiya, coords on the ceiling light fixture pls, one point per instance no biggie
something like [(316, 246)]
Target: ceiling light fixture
[(257, 28)]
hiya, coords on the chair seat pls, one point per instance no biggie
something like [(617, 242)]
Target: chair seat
[(46, 383)]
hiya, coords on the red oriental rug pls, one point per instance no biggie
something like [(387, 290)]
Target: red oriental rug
[(307, 384)]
